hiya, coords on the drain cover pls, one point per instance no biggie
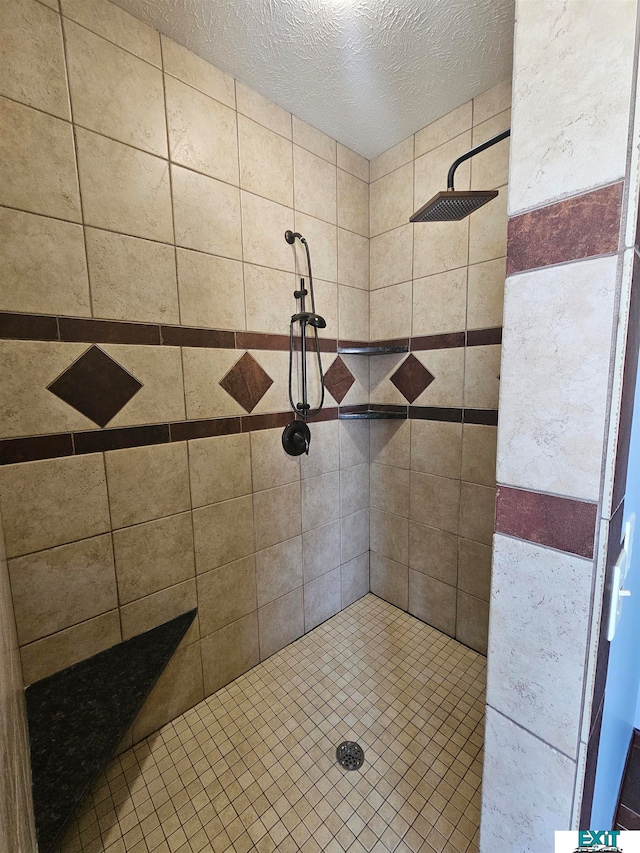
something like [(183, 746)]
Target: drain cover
[(350, 755)]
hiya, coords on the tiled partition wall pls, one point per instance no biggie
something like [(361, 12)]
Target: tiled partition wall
[(146, 290), (562, 435), (440, 285)]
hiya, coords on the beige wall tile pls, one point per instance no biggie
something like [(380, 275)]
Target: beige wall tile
[(281, 622), (353, 313), (381, 388), (353, 259), (113, 23), (431, 169), (33, 70), (223, 533), (392, 257), (474, 568), (482, 377), (485, 294), (276, 365), (354, 489), (490, 168), (153, 556), (359, 391), (472, 622), (353, 204), (178, 688), (257, 107), (355, 579), (263, 225), (447, 366), (277, 515), (353, 163), (220, 468), (326, 293), (203, 370), (323, 454), (354, 532), (37, 163), (124, 189), (391, 159), (319, 500), (436, 448), (477, 512), (390, 312), (191, 69), (322, 599), (55, 589), (435, 501), (433, 552), (354, 443), (211, 291), (479, 454), (58, 651), (229, 652), (443, 129), (53, 501), (488, 232), (147, 483), (440, 246), (390, 536), (44, 269), (114, 92), (132, 279), (493, 101), (206, 213), (389, 580), (269, 299), (270, 465), (314, 140), (390, 443), (226, 594), (323, 243), (432, 601), (266, 162), (279, 570), (321, 550), (156, 609), (390, 489), (391, 200), (202, 132), (440, 302)]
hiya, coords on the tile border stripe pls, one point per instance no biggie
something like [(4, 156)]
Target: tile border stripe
[(565, 524)]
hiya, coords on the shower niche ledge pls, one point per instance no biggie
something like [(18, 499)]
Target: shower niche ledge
[(373, 348), (373, 413)]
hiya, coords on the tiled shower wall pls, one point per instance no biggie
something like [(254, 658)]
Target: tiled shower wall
[(441, 285), (143, 192)]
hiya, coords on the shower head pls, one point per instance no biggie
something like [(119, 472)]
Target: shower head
[(314, 320), (290, 237), (452, 205)]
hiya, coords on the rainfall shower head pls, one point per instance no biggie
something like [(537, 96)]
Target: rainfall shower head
[(453, 205), (314, 320)]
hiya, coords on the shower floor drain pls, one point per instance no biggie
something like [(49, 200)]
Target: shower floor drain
[(350, 755)]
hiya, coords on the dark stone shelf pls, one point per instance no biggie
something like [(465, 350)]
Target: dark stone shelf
[(373, 350), (373, 415)]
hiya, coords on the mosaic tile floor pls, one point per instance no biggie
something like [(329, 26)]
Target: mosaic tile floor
[(253, 766)]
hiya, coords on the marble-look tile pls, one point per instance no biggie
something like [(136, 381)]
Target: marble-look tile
[(55, 589), (319, 503), (270, 465), (353, 314), (389, 536), (390, 443), (322, 598), (210, 291), (527, 788), (191, 69), (206, 213), (354, 443), (33, 69), (354, 488), (537, 678), (433, 552), (477, 512), (474, 568), (53, 501), (315, 141), (323, 455), (258, 108), (322, 237), (113, 92), (432, 601), (391, 257), (353, 259), (391, 200), (229, 652), (226, 594), (485, 294), (321, 550), (278, 515), (572, 134), (219, 468), (44, 268), (353, 163), (353, 204), (266, 166), (435, 501), (355, 579), (37, 163), (482, 377), (124, 189), (389, 580), (479, 454), (279, 570), (436, 448), (440, 303), (390, 489), (263, 225), (556, 361), (443, 129), (112, 23), (281, 622), (472, 621), (315, 190), (223, 533), (354, 532), (390, 312)]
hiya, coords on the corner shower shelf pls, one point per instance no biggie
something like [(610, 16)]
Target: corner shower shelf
[(373, 350), (372, 415)]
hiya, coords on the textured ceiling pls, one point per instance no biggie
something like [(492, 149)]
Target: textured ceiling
[(367, 72)]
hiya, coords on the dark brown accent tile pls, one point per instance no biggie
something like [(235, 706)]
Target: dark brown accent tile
[(632, 351), (96, 385), (328, 413), (411, 378), (338, 380), (14, 450), (451, 340), (387, 407), (360, 407), (389, 342), (324, 344), (483, 337), (350, 344), (28, 327), (627, 819), (185, 430), (579, 227), (183, 336), (435, 413), (95, 441), (250, 423), (261, 340), (562, 523), (247, 382), (485, 417), (590, 771), (107, 331)]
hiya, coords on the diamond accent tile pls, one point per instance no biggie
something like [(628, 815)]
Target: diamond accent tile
[(96, 386), (338, 379), (247, 382), (412, 378)]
